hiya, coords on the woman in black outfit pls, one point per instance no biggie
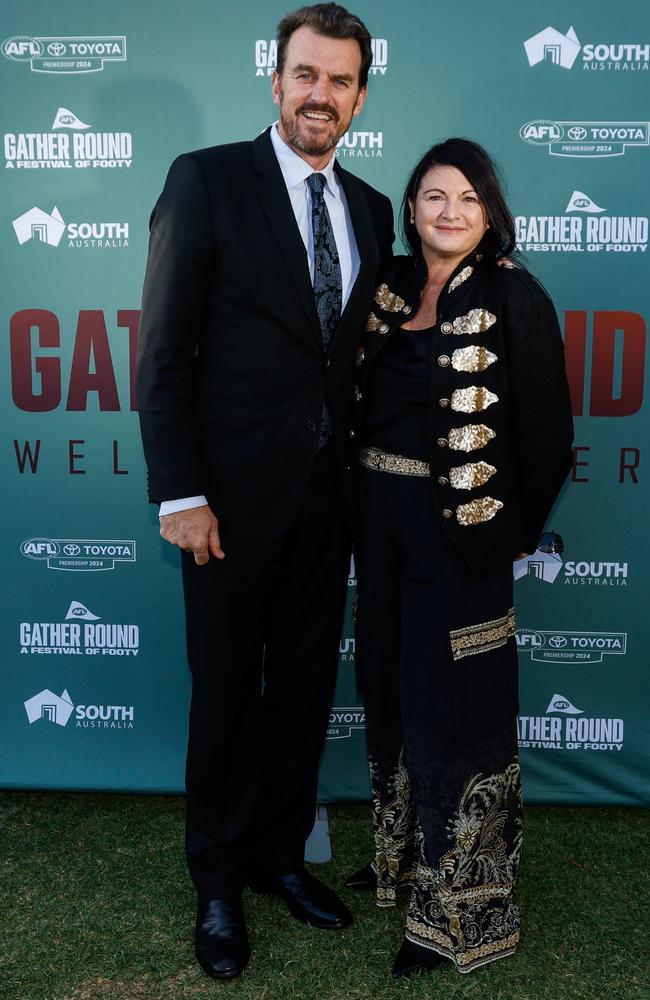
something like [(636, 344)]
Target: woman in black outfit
[(464, 430)]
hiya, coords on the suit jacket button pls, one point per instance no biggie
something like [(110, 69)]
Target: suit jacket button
[(443, 402), (352, 434), (357, 394), (327, 362), (447, 513), (442, 442), (311, 425), (443, 481), (446, 328), (444, 360)]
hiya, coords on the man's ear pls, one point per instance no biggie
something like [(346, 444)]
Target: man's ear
[(361, 98), (276, 87)]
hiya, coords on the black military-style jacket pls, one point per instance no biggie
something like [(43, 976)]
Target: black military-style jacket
[(500, 427)]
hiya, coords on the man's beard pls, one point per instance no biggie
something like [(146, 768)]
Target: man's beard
[(291, 129)]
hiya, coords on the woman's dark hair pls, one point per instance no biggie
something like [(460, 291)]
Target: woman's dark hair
[(331, 20), (475, 163)]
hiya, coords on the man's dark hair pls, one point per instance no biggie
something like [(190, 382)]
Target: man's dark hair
[(328, 19), (475, 163)]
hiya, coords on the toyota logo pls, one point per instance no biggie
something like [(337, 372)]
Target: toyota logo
[(56, 48), (557, 641), (577, 132), (72, 549)]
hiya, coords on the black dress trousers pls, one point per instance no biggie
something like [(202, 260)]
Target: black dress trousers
[(263, 628), (438, 662)]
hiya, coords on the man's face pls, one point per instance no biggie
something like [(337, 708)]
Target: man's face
[(318, 93)]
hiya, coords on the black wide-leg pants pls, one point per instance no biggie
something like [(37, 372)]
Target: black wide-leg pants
[(438, 663), (263, 628)]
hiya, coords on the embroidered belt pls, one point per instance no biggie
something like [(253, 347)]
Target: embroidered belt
[(382, 461)]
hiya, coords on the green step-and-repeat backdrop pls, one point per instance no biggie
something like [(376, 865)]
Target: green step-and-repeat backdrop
[(96, 102)]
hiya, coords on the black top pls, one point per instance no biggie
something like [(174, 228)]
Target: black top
[(396, 411)]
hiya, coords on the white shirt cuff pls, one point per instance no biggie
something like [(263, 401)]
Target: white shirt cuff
[(183, 503)]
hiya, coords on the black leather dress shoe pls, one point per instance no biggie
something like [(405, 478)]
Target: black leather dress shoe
[(307, 899), (363, 880), (412, 958), (221, 941)]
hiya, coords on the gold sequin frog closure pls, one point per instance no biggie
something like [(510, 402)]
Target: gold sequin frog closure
[(372, 323), (462, 276), (472, 399), (472, 359), (470, 475), (388, 300), (471, 437), (476, 321), (477, 511)]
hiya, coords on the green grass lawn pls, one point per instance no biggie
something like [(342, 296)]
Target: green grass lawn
[(95, 902)]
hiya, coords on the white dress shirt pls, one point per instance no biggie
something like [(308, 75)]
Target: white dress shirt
[(295, 172)]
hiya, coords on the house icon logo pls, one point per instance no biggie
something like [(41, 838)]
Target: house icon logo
[(562, 50), (544, 566), (38, 225), (47, 705)]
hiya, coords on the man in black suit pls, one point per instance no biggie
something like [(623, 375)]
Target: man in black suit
[(262, 263)]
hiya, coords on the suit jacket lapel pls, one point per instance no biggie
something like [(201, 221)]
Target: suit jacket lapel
[(276, 205), (366, 244)]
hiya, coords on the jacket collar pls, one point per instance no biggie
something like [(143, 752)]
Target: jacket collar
[(274, 199), (364, 233), (469, 266)]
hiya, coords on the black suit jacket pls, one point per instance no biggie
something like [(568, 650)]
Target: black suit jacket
[(231, 368)]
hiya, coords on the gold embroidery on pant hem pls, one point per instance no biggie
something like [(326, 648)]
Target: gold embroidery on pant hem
[(482, 638), (397, 834), (420, 935), (466, 908)]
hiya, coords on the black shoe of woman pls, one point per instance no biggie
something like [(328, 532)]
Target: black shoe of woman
[(412, 958), (363, 880)]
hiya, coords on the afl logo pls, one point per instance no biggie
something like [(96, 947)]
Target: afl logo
[(528, 638), (39, 548), (541, 132), (21, 48)]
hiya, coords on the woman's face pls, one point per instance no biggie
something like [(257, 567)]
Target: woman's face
[(449, 216)]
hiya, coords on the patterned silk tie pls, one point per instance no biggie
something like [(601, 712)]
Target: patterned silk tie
[(327, 269), (327, 278)]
